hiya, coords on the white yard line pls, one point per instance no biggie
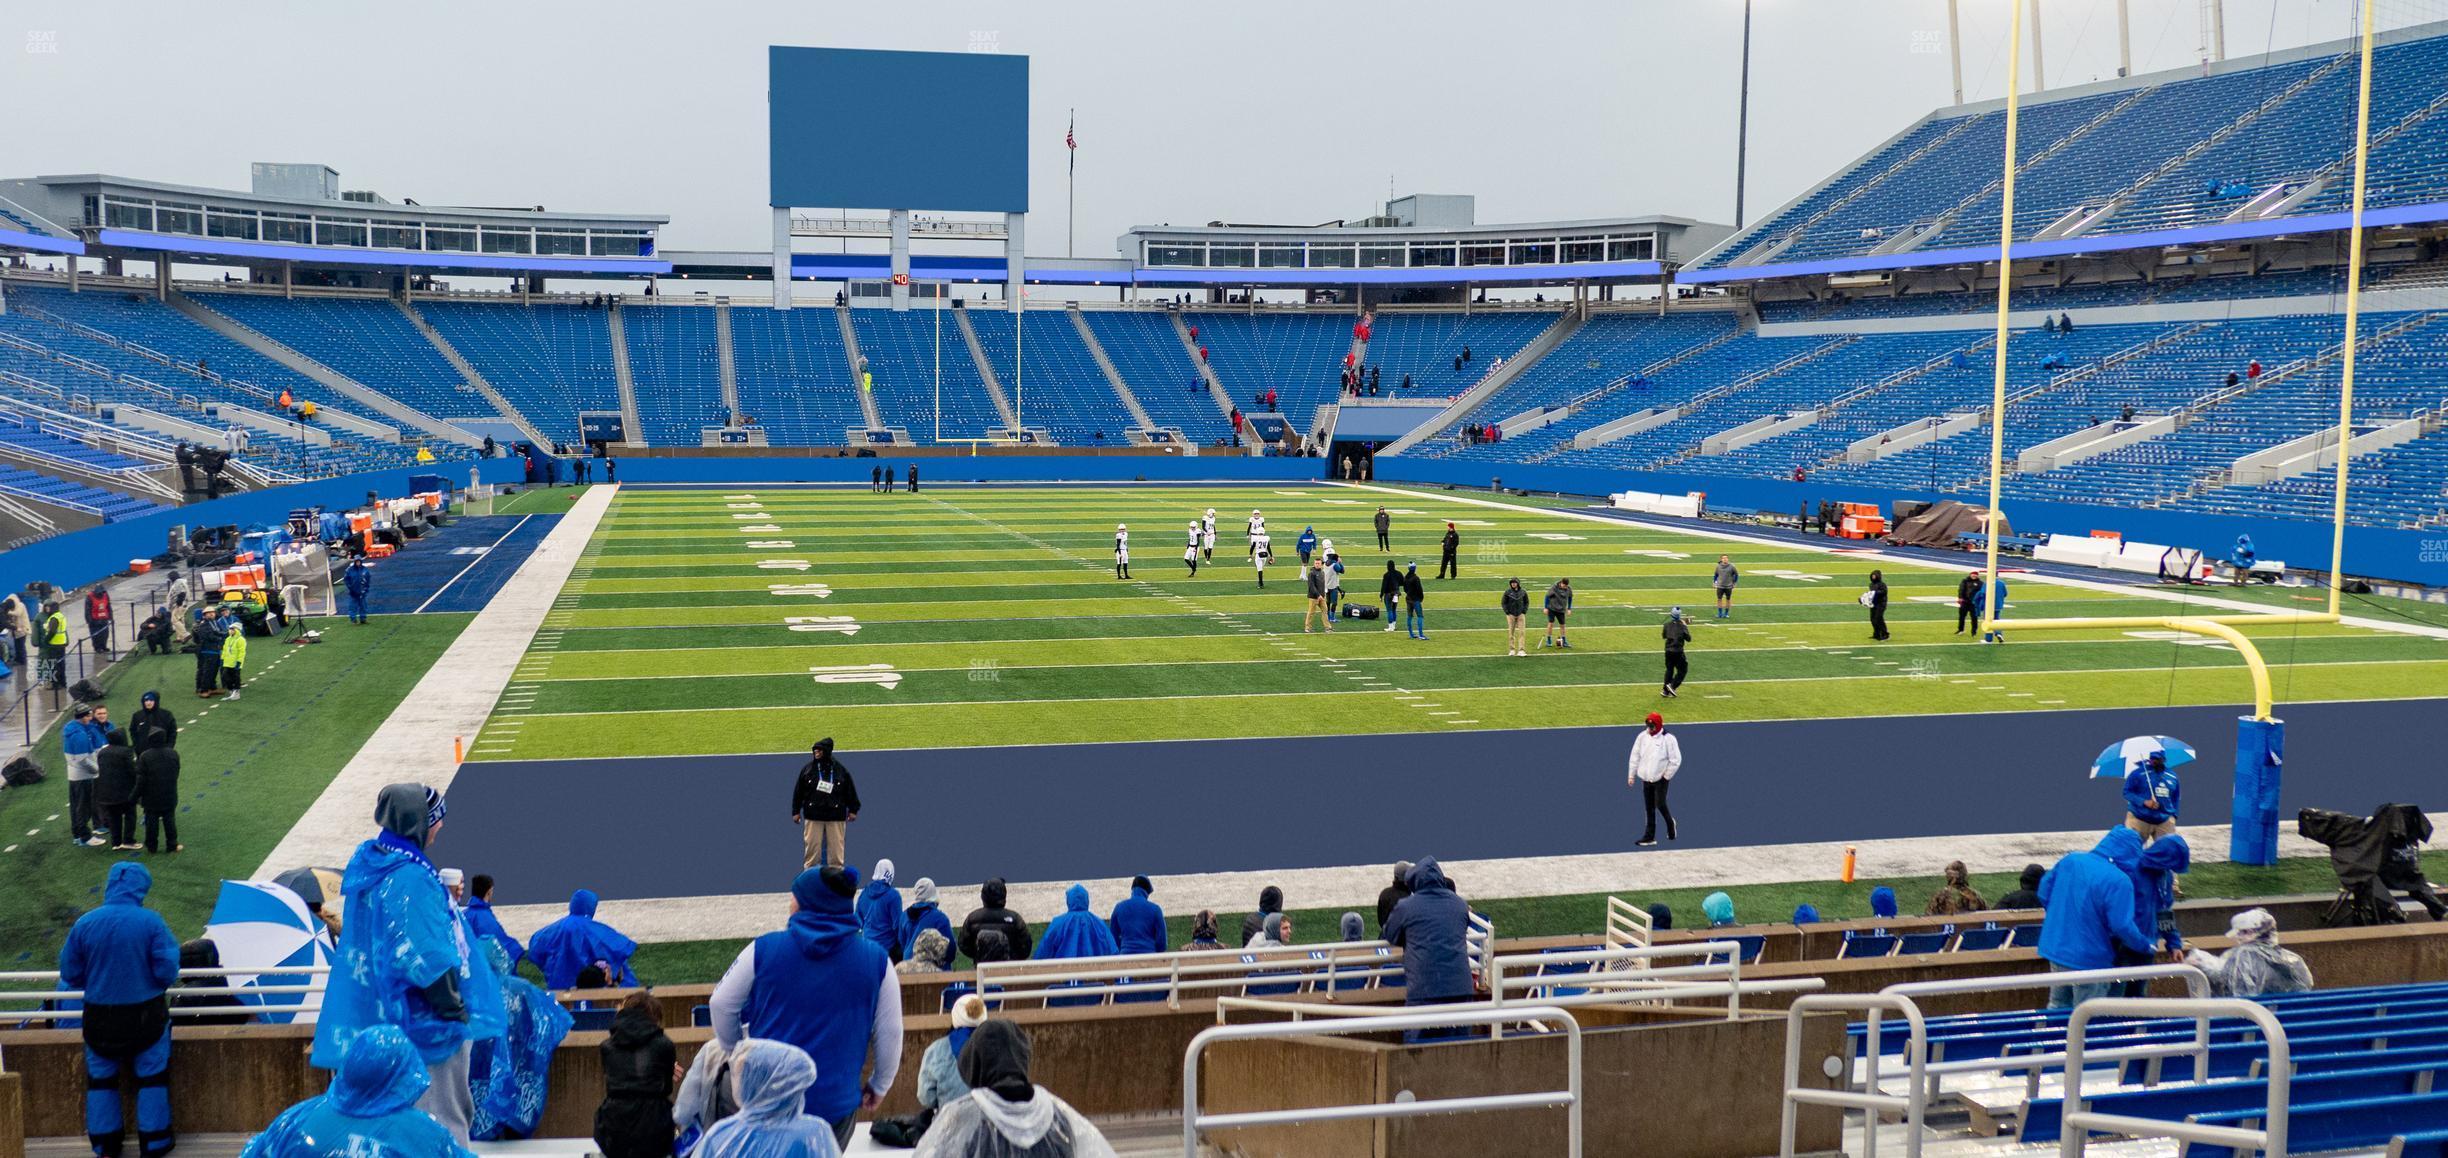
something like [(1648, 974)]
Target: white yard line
[(453, 699)]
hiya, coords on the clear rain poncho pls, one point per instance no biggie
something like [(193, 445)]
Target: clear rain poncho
[(2256, 965), (771, 1079), (1004, 1115)]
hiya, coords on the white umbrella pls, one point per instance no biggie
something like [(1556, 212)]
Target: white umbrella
[(264, 928)]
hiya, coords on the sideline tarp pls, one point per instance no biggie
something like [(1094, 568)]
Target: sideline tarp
[(1940, 523)]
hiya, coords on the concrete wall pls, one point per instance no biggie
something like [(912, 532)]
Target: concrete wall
[(2374, 552), (1697, 1087)]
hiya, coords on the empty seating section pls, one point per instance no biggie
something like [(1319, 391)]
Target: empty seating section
[(368, 340), (1299, 356), (1147, 351), (675, 366), (902, 352), (1059, 385), (46, 317), (549, 360), (29, 483), (1423, 345), (1836, 365), (2288, 406), (2368, 1067), (1707, 369), (2293, 122), (1608, 348), (793, 375)]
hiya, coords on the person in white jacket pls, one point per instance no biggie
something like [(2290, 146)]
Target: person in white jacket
[(1655, 758), (1122, 551)]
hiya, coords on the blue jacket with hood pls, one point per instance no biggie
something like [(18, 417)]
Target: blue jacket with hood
[(1432, 926), (564, 949), (880, 915), (1138, 923), (398, 936), (371, 1109), (121, 953), (2153, 796), (816, 988), (2090, 901), (2155, 888), (1077, 932)]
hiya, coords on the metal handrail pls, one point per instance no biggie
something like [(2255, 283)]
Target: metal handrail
[(1913, 1104), (1649, 981), (1569, 1098), (1181, 970), (50, 995), (2074, 1136)]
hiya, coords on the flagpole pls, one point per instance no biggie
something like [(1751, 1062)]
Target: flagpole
[(1071, 189)]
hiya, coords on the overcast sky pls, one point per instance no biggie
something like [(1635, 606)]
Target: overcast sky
[(1255, 110)]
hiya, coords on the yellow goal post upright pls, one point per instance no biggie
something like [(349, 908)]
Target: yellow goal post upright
[(2253, 837)]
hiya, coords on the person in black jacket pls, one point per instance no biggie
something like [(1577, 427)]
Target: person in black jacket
[(210, 992), (1392, 894), (1516, 604), (1448, 566), (1677, 633), (639, 1065), (1876, 600), (151, 718), (1270, 900), (2027, 894), (1389, 592), (992, 917), (115, 790), (157, 780), (1968, 603), (824, 801)]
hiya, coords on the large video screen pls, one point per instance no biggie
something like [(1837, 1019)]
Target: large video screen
[(861, 129)]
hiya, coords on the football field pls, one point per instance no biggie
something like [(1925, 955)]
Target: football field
[(750, 619)]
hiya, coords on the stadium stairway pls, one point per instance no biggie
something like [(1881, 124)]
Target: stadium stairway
[(625, 376), (857, 363), (474, 377), (1113, 376), (987, 379), (1489, 385)]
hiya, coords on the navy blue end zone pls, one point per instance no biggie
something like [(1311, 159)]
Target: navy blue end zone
[(457, 567), (709, 826)]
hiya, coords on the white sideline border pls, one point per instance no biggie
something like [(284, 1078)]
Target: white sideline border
[(455, 698)]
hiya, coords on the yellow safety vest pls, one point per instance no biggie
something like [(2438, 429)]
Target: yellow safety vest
[(55, 630), (233, 648)]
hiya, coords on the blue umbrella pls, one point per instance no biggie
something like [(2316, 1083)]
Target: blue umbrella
[(2127, 754), (262, 926)]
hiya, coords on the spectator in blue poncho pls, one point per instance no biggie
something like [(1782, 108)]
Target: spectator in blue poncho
[(2242, 558), (371, 1109), (481, 919), (1806, 914), (509, 1073), (926, 912), (1882, 902), (1138, 924), (1719, 909), (773, 1079), (121, 954), (578, 940), (879, 912), (2152, 795), (400, 959), (1077, 932)]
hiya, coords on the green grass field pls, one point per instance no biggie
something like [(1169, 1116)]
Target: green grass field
[(749, 619), (248, 770)]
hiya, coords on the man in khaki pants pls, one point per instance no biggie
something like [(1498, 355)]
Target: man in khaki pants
[(824, 802)]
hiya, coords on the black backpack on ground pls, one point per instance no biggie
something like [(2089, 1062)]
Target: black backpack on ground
[(87, 692), (21, 772)]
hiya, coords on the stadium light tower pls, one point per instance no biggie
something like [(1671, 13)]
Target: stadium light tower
[(1742, 118)]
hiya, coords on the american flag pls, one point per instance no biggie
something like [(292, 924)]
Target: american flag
[(1071, 136)]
